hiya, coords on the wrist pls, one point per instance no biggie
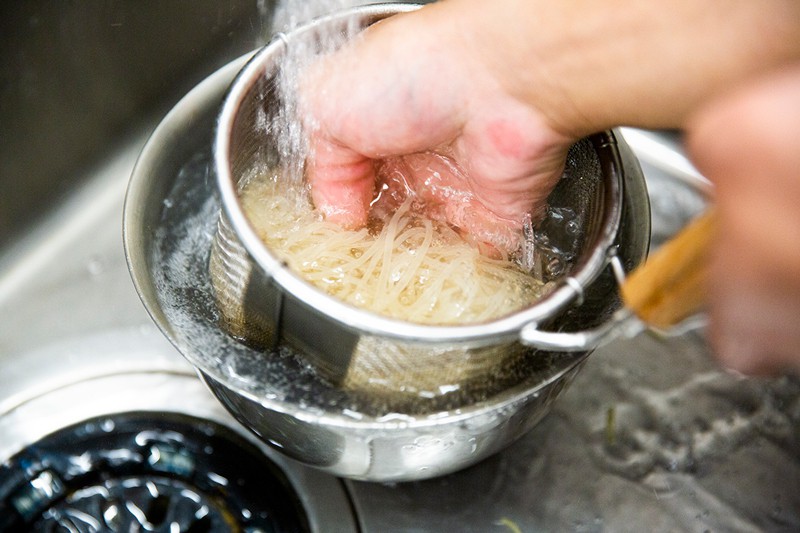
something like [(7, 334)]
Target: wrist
[(588, 66)]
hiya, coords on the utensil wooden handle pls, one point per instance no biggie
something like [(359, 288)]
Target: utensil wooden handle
[(670, 286)]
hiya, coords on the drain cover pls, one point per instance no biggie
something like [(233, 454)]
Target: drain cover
[(146, 472)]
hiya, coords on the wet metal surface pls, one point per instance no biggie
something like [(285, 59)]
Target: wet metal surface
[(651, 436)]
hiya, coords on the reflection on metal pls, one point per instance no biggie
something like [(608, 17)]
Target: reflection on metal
[(695, 448), (663, 151)]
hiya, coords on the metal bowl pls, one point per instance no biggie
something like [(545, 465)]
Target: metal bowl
[(264, 302), (170, 219)]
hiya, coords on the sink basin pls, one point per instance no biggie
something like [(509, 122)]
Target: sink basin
[(651, 436)]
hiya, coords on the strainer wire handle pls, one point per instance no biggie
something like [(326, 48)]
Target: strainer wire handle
[(665, 293), (623, 322)]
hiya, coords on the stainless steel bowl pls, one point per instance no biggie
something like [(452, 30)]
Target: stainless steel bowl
[(264, 302), (170, 219)]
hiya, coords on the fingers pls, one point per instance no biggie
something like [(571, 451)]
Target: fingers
[(748, 143), (441, 185), (342, 183), (384, 95), (379, 96)]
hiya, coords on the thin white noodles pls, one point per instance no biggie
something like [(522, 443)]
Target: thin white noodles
[(411, 268)]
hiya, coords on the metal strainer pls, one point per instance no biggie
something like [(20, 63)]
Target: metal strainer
[(263, 303)]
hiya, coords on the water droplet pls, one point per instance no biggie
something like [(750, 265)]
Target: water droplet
[(96, 266), (573, 227), (555, 266)]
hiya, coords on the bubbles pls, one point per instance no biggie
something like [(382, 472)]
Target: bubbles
[(553, 244), (554, 268), (572, 227)]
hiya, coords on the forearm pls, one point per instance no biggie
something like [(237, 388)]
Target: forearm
[(591, 65)]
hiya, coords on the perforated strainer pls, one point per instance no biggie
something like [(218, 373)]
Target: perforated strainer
[(264, 303)]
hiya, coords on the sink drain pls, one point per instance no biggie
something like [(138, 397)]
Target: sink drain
[(146, 472)]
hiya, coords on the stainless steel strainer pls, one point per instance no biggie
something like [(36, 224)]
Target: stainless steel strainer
[(263, 303)]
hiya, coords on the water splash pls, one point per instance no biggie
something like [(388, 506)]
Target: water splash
[(285, 124)]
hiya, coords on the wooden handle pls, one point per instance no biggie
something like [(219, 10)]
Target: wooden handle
[(670, 286)]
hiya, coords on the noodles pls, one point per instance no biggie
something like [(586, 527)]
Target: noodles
[(407, 267)]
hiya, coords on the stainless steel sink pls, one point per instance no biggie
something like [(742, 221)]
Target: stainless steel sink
[(652, 436)]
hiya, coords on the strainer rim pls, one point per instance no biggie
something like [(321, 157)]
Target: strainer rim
[(360, 320)]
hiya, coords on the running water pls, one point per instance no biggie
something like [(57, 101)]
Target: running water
[(284, 124), (546, 258), (289, 14)]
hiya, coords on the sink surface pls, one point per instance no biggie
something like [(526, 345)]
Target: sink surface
[(651, 436)]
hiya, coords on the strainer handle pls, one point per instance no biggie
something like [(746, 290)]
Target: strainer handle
[(623, 322), (665, 292)]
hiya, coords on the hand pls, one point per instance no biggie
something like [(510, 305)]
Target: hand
[(747, 143), (494, 95), (491, 97), (411, 97)]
